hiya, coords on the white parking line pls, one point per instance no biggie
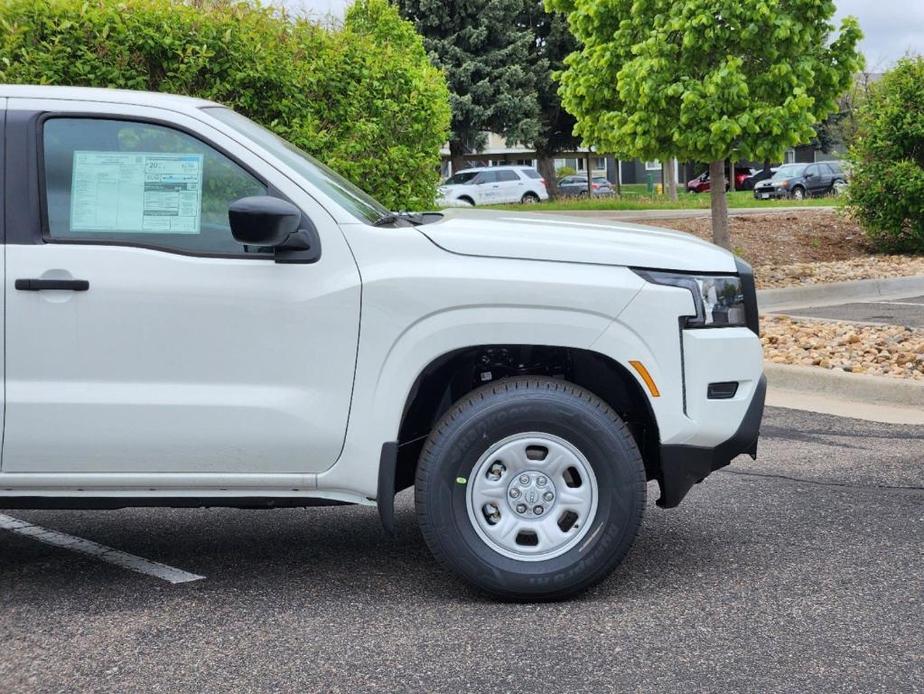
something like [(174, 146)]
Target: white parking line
[(98, 551)]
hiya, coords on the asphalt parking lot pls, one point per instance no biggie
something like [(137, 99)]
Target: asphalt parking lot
[(801, 571), (908, 312)]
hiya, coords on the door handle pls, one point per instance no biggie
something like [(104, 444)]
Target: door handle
[(37, 285)]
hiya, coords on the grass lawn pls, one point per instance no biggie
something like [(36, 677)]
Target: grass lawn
[(634, 197)]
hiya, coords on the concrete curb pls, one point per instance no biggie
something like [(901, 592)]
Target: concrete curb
[(864, 388), (839, 293)]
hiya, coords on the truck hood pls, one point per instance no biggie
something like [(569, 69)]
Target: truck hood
[(537, 236)]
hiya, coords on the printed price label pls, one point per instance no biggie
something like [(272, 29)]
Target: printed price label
[(136, 192)]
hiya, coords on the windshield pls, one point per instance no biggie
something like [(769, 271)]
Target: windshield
[(789, 171), (460, 178), (358, 203)]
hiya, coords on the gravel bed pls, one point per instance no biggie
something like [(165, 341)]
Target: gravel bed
[(887, 350), (869, 267)]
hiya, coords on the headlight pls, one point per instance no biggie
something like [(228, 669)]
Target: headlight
[(781, 184), (717, 299)]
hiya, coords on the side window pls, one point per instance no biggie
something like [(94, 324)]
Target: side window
[(506, 176), (812, 170), (486, 177), (140, 183)]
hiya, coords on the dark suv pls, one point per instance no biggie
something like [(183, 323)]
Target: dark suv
[(798, 181)]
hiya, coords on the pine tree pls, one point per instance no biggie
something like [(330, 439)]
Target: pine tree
[(484, 50)]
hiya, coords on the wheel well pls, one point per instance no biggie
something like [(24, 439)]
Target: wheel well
[(466, 198), (448, 378)]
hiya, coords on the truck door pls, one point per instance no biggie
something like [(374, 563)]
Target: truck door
[(143, 337)]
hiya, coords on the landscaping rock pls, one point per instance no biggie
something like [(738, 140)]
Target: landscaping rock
[(870, 267), (887, 350)]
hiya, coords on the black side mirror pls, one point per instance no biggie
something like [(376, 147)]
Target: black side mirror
[(262, 220)]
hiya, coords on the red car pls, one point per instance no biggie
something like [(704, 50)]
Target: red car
[(700, 184)]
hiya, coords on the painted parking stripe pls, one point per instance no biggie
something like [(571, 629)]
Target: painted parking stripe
[(97, 551)]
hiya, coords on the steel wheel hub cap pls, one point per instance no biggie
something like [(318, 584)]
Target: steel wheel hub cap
[(532, 497)]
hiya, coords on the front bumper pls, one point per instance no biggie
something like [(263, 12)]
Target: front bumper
[(683, 466), (770, 193)]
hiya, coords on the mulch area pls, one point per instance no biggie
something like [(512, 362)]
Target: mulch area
[(786, 237), (805, 247)]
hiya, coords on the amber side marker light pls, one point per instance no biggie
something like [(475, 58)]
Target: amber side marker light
[(649, 381)]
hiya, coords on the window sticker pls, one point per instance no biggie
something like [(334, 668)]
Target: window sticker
[(136, 192)]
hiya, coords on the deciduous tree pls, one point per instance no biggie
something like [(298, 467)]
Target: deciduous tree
[(705, 80)]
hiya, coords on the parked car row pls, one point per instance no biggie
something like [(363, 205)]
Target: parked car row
[(798, 181), (493, 185), (702, 184), (576, 186)]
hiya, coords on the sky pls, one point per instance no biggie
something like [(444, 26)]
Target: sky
[(892, 28)]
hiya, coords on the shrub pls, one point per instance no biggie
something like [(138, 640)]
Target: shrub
[(363, 97), (563, 171), (886, 190)]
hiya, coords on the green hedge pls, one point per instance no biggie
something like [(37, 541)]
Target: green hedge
[(362, 97), (886, 190)]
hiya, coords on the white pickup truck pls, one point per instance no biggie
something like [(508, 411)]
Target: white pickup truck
[(196, 313)]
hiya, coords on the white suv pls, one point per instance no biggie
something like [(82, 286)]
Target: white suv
[(493, 185), (198, 314)]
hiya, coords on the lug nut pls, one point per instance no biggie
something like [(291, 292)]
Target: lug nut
[(548, 496), (495, 471), (524, 479), (538, 510), (521, 508), (515, 493), (541, 481)]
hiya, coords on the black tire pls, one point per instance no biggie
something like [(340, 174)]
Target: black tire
[(798, 193), (515, 406), (529, 199)]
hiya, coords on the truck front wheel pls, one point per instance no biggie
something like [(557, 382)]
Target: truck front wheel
[(530, 489)]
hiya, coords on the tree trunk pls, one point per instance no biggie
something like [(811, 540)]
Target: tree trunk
[(672, 179), (720, 235), (546, 166), (619, 177), (456, 155), (731, 175), (590, 176)]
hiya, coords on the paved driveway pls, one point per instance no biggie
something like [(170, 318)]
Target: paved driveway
[(803, 571)]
